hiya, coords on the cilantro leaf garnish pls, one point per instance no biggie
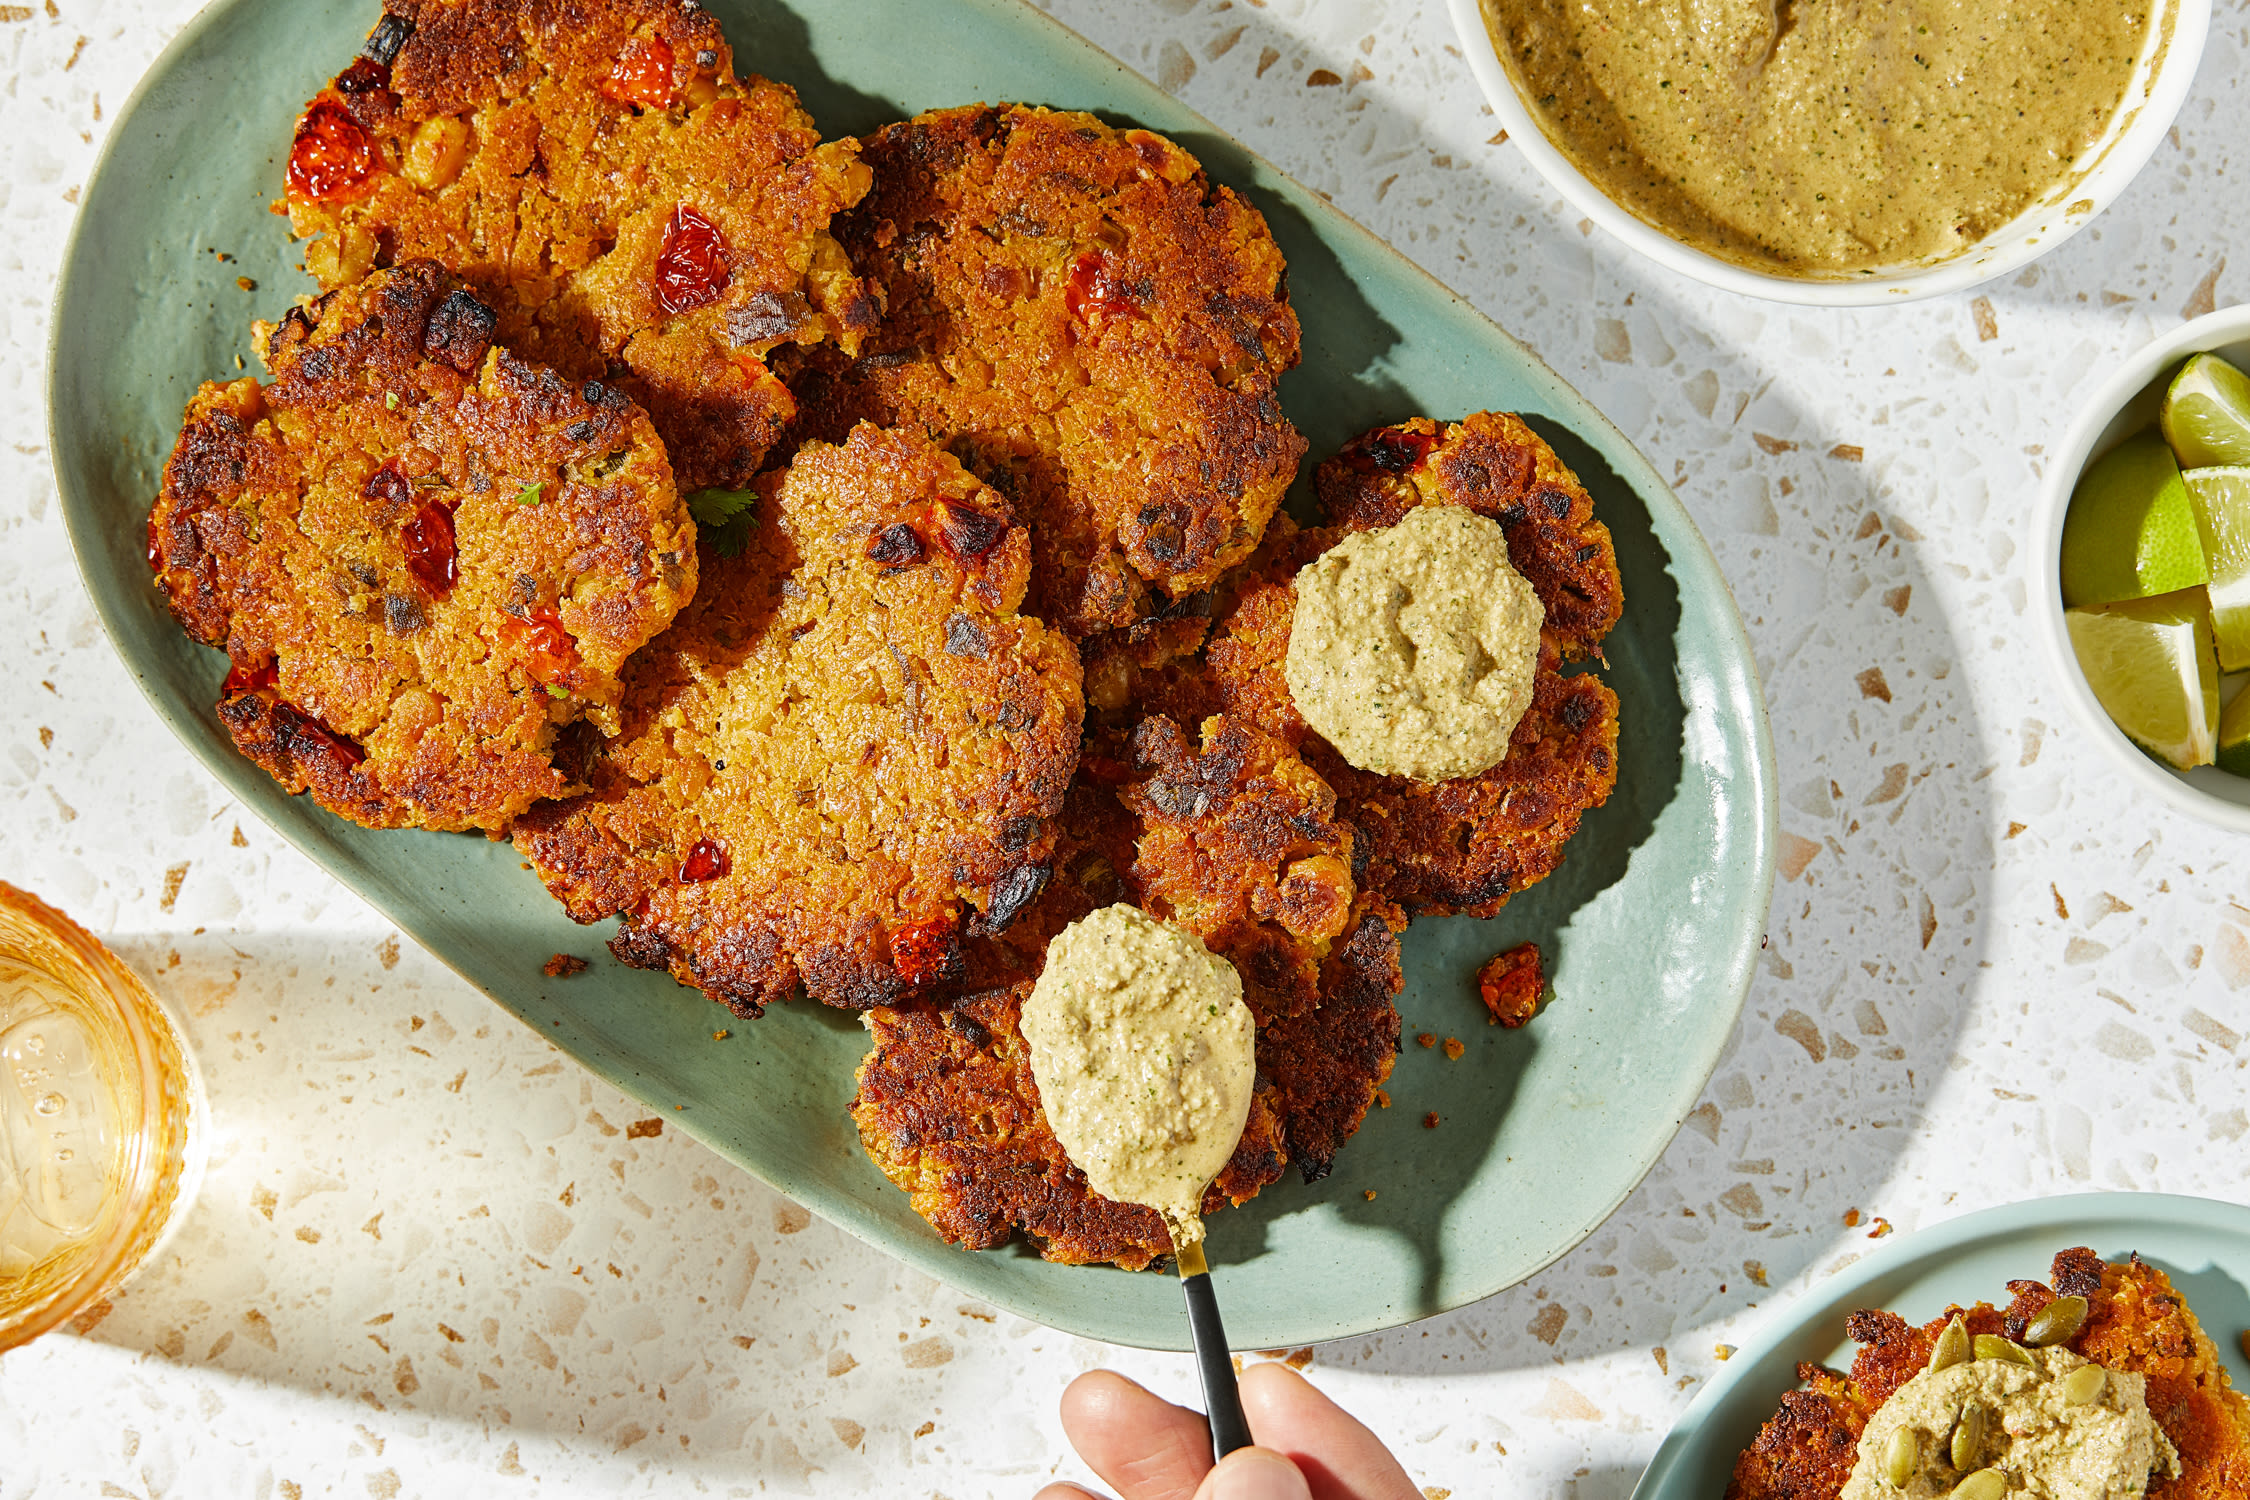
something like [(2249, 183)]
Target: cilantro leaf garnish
[(728, 516)]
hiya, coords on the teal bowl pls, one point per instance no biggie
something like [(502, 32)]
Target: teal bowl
[(1650, 928), (2201, 1243)]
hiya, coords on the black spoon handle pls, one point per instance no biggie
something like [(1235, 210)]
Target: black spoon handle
[(1229, 1429)]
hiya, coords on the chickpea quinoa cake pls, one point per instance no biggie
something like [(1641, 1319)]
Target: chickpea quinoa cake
[(1431, 848), (948, 1108), (1235, 840), (839, 766), (599, 174), (988, 395), (1470, 844), (422, 555), (1253, 833), (1093, 326), (2125, 1316)]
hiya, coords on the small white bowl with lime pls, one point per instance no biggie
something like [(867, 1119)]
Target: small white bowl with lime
[(2143, 568)]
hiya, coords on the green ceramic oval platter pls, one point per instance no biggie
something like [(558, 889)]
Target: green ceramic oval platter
[(1649, 929), (2201, 1243)]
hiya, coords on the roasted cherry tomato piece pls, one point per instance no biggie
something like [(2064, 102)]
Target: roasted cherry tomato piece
[(643, 74), (968, 533), (336, 746), (694, 267), (432, 556), (333, 154), (705, 861), (925, 951), (1094, 295), (366, 76), (1389, 450), (388, 487), (241, 679), (895, 546), (549, 653)]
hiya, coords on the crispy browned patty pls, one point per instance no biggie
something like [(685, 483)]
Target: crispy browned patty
[(598, 172), (1498, 467), (2135, 1322), (1470, 844), (1240, 844), (947, 1107), (840, 763), (1094, 327), (1466, 845), (1236, 840), (421, 554)]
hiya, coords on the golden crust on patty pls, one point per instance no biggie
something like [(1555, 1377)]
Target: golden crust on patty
[(1094, 327), (1235, 840), (2135, 1322), (1470, 844), (1328, 1062), (597, 171), (840, 762), (1466, 845), (421, 554), (1240, 844), (948, 1108), (1495, 465)]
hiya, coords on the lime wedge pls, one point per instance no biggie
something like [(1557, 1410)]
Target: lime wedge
[(2150, 663), (2207, 413), (2234, 735), (2221, 499), (2130, 532)]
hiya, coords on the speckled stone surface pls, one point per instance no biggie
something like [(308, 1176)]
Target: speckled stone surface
[(434, 1259)]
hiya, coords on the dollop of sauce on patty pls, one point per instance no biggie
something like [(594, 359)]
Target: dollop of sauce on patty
[(1822, 136), (1144, 1056), (2058, 1434), (1413, 648)]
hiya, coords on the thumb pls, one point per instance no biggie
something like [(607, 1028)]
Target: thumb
[(1254, 1474)]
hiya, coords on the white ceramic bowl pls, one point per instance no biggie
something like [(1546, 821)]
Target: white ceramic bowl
[(2127, 403), (2159, 86)]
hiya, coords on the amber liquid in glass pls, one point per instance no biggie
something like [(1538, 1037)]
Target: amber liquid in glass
[(99, 1119)]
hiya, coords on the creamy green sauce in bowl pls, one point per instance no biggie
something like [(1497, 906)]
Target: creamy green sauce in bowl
[(1823, 137)]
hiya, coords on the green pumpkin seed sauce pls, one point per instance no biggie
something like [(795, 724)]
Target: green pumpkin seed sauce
[(1823, 137), (1144, 1055)]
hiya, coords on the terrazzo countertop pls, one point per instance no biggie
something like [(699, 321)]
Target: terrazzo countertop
[(433, 1257)]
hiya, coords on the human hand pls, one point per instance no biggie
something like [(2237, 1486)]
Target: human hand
[(1145, 1448)]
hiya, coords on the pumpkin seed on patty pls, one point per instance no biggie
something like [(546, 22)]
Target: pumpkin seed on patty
[(1952, 1346), (1968, 1436), (2084, 1385), (1992, 1346), (1984, 1484), (2058, 1322), (1902, 1456)]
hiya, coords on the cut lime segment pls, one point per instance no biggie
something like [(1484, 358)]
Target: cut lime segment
[(2150, 663), (2130, 532), (2234, 735), (2207, 413), (2221, 500)]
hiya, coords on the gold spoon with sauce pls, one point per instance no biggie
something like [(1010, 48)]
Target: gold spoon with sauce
[(1144, 1056)]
